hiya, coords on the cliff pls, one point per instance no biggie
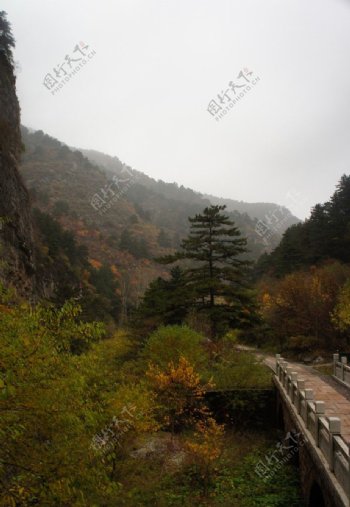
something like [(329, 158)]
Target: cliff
[(16, 236)]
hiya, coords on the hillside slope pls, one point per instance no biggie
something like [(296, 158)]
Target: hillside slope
[(256, 211), (122, 216)]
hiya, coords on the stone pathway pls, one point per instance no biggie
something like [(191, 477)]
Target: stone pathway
[(335, 396)]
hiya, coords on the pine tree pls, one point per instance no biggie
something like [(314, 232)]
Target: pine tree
[(338, 211), (217, 273), (323, 236), (164, 302), (7, 42)]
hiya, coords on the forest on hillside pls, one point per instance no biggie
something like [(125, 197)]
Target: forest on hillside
[(304, 283)]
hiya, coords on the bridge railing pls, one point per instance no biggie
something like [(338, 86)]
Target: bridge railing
[(341, 370), (325, 431), (341, 463)]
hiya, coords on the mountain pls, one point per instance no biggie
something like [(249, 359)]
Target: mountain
[(259, 210), (121, 216), (256, 211)]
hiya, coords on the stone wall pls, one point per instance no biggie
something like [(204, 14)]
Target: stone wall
[(253, 407)]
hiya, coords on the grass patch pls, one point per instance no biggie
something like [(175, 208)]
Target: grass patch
[(241, 369), (148, 482), (324, 369)]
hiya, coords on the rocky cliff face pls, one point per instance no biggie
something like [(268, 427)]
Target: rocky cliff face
[(16, 237)]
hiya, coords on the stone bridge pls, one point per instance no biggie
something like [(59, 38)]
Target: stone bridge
[(316, 409)]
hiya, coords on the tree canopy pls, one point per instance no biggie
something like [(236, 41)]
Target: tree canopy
[(325, 235)]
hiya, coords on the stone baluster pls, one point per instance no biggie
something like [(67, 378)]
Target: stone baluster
[(343, 362), (278, 357), (335, 361), (293, 379), (283, 367), (289, 370), (308, 396), (301, 387), (319, 412), (334, 429)]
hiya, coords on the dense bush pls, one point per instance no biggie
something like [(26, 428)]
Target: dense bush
[(169, 343)]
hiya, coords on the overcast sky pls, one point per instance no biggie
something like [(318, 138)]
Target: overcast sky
[(143, 95)]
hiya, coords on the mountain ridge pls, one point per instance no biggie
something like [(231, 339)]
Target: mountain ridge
[(253, 209)]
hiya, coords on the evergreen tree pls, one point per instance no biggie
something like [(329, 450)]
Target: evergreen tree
[(339, 221), (217, 272), (324, 236), (164, 302), (7, 42)]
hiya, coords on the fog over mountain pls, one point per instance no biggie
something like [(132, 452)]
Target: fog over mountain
[(153, 68)]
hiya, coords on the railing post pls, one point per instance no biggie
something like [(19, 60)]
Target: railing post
[(293, 379), (283, 365), (348, 492), (300, 387), (278, 357), (320, 409), (309, 396), (289, 370), (334, 429), (343, 361), (335, 361)]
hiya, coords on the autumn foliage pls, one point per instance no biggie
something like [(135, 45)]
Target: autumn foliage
[(180, 393)]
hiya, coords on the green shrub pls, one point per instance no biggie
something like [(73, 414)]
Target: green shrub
[(169, 343)]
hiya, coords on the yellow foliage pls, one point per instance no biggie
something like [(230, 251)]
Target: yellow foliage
[(205, 450), (180, 392), (182, 374), (207, 446)]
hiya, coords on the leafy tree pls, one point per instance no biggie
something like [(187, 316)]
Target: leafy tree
[(341, 312), (48, 409), (133, 409), (180, 393), (66, 329), (217, 273), (169, 343), (299, 307), (204, 450)]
